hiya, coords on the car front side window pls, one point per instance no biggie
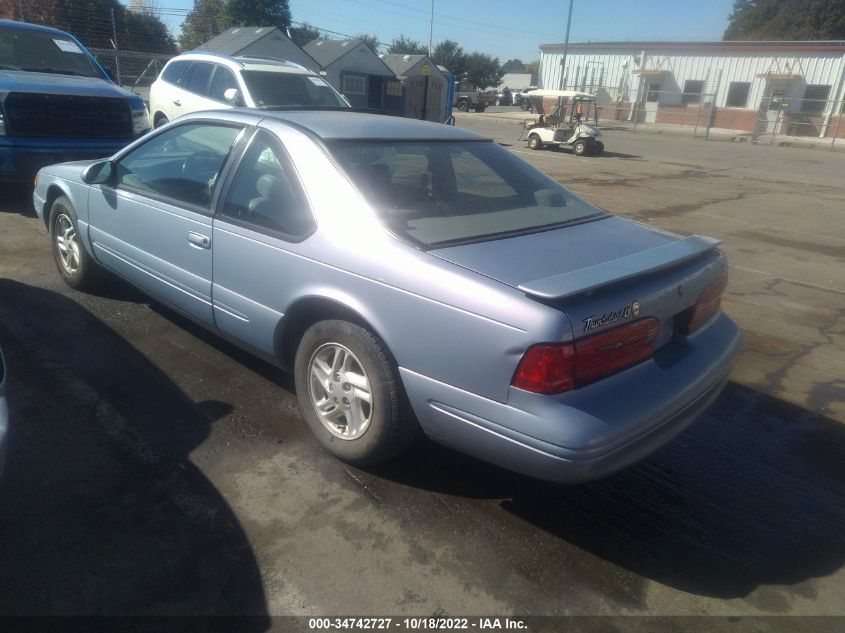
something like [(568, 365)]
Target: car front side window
[(222, 80), (265, 194), (198, 76), (182, 164)]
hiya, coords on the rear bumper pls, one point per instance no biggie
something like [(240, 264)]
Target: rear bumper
[(21, 158), (588, 433)]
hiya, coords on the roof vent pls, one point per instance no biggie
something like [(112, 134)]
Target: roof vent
[(319, 42), (257, 31), (235, 31), (406, 57), (344, 43)]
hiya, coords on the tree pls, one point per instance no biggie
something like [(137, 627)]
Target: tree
[(513, 66), (406, 46), (204, 21), (143, 32), (258, 13), (786, 20), (451, 56), (483, 71), (35, 11), (305, 33), (369, 40)]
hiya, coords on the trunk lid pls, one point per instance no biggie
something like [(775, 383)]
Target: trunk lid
[(601, 274)]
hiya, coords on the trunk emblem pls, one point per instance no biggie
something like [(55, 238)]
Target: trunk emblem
[(595, 321)]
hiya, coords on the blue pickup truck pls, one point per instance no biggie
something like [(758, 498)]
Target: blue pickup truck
[(57, 103)]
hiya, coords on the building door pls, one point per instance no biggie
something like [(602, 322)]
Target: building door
[(375, 94), (652, 101), (772, 107)]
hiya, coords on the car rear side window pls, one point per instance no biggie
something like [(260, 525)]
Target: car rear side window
[(182, 163), (197, 80), (445, 193), (265, 194), (175, 72)]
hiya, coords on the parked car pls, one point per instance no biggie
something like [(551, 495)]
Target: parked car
[(411, 275), (520, 98), (207, 81), (57, 103), (504, 97), (4, 414)]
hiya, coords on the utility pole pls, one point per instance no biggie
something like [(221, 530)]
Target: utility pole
[(431, 28), (565, 48), (20, 5), (114, 45)]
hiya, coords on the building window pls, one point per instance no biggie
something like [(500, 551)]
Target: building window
[(815, 99), (738, 94), (692, 91), (354, 85), (394, 89)]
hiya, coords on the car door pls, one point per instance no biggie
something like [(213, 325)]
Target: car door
[(221, 81), (262, 218), (197, 87), (152, 223)]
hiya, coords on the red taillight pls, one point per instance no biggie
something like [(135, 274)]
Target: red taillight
[(603, 354), (554, 367), (708, 304), (546, 368)]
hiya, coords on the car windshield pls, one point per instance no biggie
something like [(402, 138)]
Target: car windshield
[(270, 89), (445, 193), (36, 51)]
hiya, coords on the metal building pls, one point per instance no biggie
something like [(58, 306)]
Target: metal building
[(795, 88)]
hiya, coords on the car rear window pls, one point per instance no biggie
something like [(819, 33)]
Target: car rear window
[(444, 193), (270, 89)]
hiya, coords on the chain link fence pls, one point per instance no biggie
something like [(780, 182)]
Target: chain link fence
[(808, 122), (133, 70)]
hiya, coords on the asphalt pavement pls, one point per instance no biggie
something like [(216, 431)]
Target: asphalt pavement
[(155, 469)]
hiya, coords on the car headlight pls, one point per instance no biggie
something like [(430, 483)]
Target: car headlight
[(140, 120)]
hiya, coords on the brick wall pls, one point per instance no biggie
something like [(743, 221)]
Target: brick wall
[(735, 119)]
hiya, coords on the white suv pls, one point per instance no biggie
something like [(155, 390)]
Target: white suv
[(210, 81)]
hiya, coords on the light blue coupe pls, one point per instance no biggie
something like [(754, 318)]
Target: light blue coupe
[(413, 276)]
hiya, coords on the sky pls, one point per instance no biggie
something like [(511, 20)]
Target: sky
[(506, 29)]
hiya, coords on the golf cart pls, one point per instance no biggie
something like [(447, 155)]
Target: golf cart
[(571, 122)]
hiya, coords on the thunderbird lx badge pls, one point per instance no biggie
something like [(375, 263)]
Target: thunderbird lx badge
[(593, 322)]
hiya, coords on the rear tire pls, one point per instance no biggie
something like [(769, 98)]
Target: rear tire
[(534, 142), (75, 265), (350, 394), (463, 105)]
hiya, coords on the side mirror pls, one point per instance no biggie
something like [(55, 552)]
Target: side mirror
[(99, 173), (232, 96)]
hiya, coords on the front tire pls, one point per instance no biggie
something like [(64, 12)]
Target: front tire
[(161, 119), (579, 148), (350, 394), (534, 142), (76, 267), (463, 105), (598, 148)]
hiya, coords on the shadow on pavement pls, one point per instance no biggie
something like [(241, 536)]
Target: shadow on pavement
[(753, 494), (17, 198), (101, 511)]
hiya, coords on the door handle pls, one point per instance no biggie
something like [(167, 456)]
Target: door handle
[(198, 241), (176, 102)]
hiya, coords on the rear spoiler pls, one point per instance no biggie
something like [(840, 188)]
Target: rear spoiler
[(616, 270)]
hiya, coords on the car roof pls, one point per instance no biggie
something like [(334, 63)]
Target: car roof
[(347, 125), (244, 62), (26, 26), (341, 125)]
